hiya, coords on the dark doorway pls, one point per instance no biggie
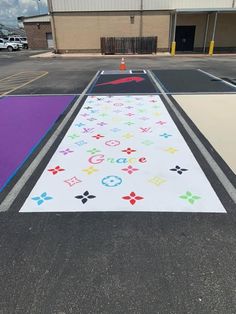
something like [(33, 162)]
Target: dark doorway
[(185, 38)]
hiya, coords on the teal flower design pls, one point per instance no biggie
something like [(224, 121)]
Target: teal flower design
[(189, 197), (42, 198)]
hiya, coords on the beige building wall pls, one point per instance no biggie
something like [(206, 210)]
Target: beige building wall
[(225, 36), (82, 31), (226, 30), (199, 20)]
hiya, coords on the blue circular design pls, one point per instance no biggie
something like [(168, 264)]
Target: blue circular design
[(111, 181)]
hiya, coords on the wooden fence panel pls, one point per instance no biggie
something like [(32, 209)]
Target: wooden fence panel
[(128, 45)]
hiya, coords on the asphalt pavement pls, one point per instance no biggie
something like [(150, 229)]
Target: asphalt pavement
[(138, 263)]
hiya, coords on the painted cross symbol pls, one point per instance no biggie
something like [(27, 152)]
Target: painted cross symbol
[(128, 136), (56, 170), (66, 151), (88, 130), (165, 135), (171, 150), (129, 123), (157, 181), (103, 114), (81, 143), (90, 170), (84, 115), (115, 130), (79, 125), (142, 110), (178, 169), (128, 150), (93, 151), (101, 123), (144, 118), (147, 142), (146, 130), (73, 136), (161, 122), (98, 136)]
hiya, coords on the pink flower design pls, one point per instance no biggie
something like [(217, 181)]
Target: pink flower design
[(130, 169), (132, 198), (128, 151), (98, 136)]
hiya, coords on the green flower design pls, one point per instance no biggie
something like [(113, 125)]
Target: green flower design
[(93, 151), (189, 197)]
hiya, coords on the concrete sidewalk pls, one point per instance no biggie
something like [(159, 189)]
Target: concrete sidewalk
[(51, 54)]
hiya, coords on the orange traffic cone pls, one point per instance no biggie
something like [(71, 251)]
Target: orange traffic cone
[(122, 64)]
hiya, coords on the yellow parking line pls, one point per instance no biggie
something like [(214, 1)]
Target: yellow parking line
[(24, 84), (5, 78)]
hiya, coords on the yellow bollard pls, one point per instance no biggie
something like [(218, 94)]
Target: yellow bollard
[(173, 47), (211, 48)]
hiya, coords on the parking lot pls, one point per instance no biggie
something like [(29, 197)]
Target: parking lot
[(165, 256)]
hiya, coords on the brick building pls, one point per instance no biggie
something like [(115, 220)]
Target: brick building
[(38, 31)]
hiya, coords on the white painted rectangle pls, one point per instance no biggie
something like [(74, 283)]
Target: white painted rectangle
[(123, 153)]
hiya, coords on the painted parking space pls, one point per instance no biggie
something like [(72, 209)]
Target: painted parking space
[(123, 153), (191, 81), (16, 81), (214, 115), (24, 121), (128, 83)]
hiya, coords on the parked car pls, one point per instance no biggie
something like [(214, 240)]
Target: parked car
[(10, 46), (24, 41), (16, 40)]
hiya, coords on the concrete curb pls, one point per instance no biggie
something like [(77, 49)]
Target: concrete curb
[(98, 55)]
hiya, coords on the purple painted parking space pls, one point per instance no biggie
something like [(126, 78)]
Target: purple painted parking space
[(24, 121)]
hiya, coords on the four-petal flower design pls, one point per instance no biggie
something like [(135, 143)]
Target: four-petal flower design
[(132, 198), (42, 198), (128, 150), (130, 169), (85, 197)]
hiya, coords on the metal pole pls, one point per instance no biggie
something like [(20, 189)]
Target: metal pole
[(212, 43), (174, 27), (206, 32), (173, 44), (214, 27), (141, 19)]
